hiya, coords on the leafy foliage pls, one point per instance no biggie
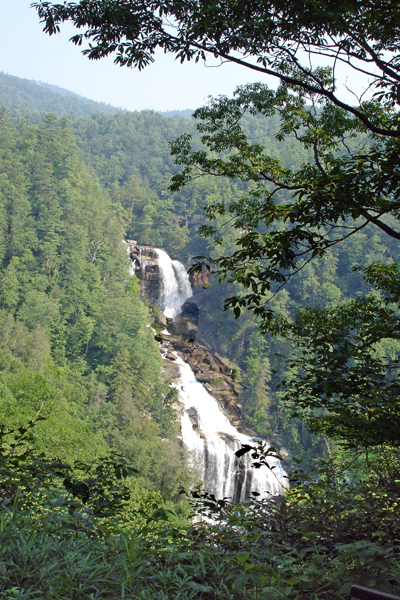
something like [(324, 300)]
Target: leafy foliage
[(348, 362)]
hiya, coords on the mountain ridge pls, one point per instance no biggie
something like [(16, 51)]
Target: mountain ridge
[(28, 95)]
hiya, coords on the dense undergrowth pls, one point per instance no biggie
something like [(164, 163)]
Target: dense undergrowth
[(80, 531), (276, 549)]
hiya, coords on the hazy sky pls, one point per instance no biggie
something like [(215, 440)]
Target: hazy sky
[(25, 51)]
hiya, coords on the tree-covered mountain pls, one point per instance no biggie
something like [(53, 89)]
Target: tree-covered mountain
[(23, 95), (128, 155)]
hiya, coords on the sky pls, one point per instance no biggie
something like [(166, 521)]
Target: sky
[(27, 52)]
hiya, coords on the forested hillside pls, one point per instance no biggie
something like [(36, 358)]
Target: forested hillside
[(24, 96), (91, 466), (128, 156), (74, 334)]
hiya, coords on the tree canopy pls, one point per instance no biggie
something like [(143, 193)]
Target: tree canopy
[(287, 217)]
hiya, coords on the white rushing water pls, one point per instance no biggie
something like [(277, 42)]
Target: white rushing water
[(206, 431), (132, 267), (175, 285), (213, 441)]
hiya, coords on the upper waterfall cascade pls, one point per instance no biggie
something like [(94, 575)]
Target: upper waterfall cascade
[(175, 284), (206, 432)]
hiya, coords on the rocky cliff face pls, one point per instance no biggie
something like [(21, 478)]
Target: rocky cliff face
[(145, 264)]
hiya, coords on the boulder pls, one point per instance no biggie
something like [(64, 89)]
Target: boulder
[(194, 417), (183, 327), (219, 387), (210, 360), (195, 368), (190, 309), (181, 346), (172, 369), (224, 362), (170, 339), (197, 353), (226, 436)]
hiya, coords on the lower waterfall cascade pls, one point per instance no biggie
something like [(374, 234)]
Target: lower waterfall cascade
[(206, 431), (213, 441)]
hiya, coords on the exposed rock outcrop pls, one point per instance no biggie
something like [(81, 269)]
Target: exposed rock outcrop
[(145, 264), (215, 372)]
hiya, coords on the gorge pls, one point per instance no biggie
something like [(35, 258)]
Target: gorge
[(212, 427)]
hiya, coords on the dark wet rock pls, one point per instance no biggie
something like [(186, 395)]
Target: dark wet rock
[(181, 345), (183, 327), (172, 369), (195, 368), (210, 360), (170, 339), (194, 418), (226, 436), (145, 262), (217, 387), (190, 309)]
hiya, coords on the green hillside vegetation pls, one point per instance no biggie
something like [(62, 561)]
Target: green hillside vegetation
[(91, 469), (72, 326)]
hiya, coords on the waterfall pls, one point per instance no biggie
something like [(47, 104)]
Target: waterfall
[(211, 438), (175, 284), (206, 431), (132, 267)]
